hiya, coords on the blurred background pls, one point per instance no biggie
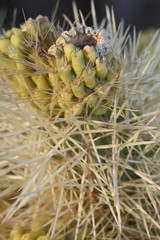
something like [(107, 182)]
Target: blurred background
[(142, 14)]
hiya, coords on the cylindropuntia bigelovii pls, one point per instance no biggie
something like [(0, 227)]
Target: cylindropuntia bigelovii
[(76, 142)]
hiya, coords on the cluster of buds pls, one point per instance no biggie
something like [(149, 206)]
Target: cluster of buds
[(73, 75), (37, 233)]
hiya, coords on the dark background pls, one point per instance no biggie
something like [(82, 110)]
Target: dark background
[(140, 13)]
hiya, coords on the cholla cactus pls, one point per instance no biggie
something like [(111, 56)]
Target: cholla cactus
[(80, 156)]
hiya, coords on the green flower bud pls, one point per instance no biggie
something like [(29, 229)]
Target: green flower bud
[(114, 64), (42, 99), (66, 74), (31, 236), (4, 45), (77, 108), (41, 81), (99, 111), (7, 63), (69, 48), (15, 30), (25, 236), (109, 56), (101, 68), (44, 24), (78, 62), (89, 76), (43, 237), (8, 34), (55, 81), (90, 53), (39, 225), (79, 90), (31, 28), (59, 62), (25, 82), (65, 99), (109, 76), (16, 234), (21, 62), (92, 100), (17, 40)]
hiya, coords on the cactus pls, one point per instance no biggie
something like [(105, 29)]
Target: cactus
[(80, 154)]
